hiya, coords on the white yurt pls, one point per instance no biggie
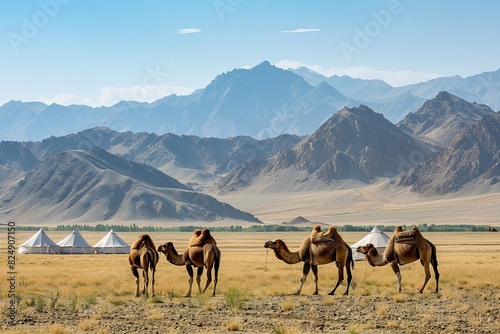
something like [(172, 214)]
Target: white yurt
[(74, 243), (112, 244), (40, 243), (376, 237)]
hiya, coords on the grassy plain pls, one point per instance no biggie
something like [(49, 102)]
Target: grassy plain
[(469, 263)]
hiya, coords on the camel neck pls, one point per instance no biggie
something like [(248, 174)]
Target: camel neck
[(175, 258), (378, 260), (288, 257)]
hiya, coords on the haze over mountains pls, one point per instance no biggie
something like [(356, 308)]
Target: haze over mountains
[(262, 102), (446, 146)]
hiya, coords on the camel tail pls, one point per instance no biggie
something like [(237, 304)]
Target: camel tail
[(351, 259), (434, 260)]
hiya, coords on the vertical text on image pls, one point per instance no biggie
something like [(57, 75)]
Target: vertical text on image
[(11, 272)]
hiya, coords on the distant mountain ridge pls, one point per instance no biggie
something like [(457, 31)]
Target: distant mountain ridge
[(190, 159), (482, 88), (262, 102)]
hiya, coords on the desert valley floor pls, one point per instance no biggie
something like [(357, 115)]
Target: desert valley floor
[(255, 294)]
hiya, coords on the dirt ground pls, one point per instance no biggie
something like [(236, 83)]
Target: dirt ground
[(466, 311)]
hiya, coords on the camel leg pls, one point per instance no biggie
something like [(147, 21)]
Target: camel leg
[(146, 281), (152, 281), (216, 272), (198, 279), (341, 278), (427, 275), (395, 268), (136, 275), (209, 273), (305, 271), (315, 277), (191, 274), (434, 263)]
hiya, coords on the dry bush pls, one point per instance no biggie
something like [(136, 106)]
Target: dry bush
[(155, 314), (103, 330), (233, 325), (427, 317), (280, 329), (58, 329), (382, 309), (400, 298), (392, 324), (288, 304), (329, 300), (87, 325)]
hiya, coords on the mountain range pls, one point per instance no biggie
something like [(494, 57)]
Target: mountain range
[(447, 146), (262, 102)]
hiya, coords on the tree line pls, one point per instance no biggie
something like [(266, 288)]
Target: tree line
[(253, 228)]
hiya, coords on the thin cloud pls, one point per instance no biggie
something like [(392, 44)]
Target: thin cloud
[(188, 31), (112, 95), (67, 99), (301, 30)]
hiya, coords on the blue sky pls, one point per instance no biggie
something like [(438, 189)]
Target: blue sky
[(99, 52)]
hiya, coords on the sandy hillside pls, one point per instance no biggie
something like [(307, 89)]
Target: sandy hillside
[(374, 204)]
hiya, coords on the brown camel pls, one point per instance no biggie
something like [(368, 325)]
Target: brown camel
[(143, 255), (403, 248), (204, 253), (317, 253)]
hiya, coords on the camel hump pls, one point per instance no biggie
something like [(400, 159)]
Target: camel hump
[(204, 237), (317, 236), (144, 240), (405, 236), (398, 229)]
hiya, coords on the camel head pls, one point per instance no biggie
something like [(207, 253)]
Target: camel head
[(369, 248), (275, 244), (166, 248)]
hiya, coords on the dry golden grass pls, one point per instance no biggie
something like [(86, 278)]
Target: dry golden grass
[(467, 262)]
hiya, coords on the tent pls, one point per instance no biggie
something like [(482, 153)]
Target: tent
[(40, 243), (376, 237), (112, 244), (75, 244)]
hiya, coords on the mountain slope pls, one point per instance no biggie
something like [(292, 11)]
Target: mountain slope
[(91, 186), (190, 159), (472, 157), (441, 118), (354, 144)]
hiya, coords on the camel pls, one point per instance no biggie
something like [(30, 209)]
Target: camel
[(317, 252), (143, 255), (201, 253), (405, 247)]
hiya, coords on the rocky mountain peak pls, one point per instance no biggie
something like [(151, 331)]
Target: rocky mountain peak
[(440, 118)]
